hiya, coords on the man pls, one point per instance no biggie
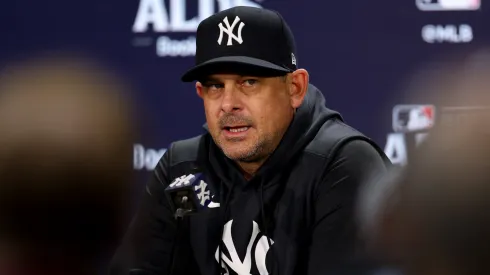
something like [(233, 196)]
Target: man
[(274, 176), (65, 172)]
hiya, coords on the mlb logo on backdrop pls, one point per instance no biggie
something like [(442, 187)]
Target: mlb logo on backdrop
[(448, 5), (413, 118)]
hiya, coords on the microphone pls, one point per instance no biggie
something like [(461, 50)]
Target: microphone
[(187, 194)]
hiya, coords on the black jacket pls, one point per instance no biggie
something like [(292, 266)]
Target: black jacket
[(302, 198)]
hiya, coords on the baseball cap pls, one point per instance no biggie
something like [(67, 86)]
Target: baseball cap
[(241, 39)]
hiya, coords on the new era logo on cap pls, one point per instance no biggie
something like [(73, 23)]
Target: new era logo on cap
[(243, 37)]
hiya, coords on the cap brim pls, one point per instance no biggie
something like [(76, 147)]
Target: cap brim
[(242, 64)]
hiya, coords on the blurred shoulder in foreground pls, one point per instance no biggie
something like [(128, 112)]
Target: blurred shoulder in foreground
[(65, 164), (438, 222)]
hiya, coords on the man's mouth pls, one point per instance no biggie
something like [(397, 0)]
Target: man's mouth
[(237, 129)]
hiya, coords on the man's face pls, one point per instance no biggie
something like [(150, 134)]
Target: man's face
[(246, 116)]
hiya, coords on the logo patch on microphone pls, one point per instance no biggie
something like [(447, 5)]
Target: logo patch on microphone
[(202, 192), (195, 188), (182, 181)]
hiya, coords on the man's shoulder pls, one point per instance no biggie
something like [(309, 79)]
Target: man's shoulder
[(334, 135), (186, 150)]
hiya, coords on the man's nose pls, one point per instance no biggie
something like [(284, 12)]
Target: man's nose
[(231, 100)]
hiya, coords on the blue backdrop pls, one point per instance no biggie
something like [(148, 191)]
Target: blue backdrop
[(359, 53)]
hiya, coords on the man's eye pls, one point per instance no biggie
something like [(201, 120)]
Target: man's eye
[(214, 86), (249, 82)]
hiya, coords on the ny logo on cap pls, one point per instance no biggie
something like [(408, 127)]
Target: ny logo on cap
[(229, 30)]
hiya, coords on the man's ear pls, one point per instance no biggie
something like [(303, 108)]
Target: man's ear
[(199, 89), (298, 87)]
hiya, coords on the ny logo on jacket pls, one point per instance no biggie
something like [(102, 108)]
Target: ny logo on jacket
[(256, 248)]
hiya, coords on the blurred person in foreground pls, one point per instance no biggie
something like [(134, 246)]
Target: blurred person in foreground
[(276, 172), (431, 217), (65, 166), (440, 223)]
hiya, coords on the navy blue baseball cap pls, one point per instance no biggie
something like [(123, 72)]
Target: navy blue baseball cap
[(243, 39)]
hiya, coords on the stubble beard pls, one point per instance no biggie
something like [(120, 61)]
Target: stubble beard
[(250, 153)]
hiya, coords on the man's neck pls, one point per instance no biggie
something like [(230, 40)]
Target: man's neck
[(250, 168)]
